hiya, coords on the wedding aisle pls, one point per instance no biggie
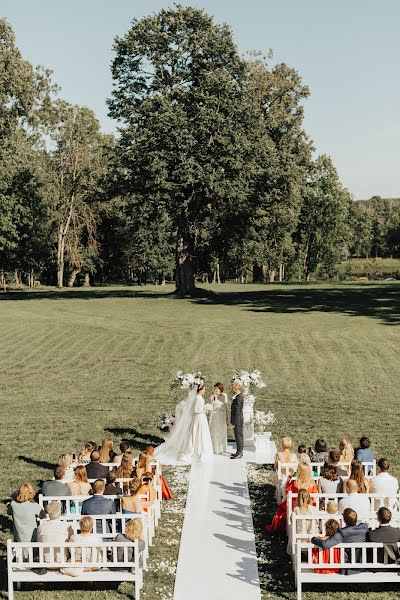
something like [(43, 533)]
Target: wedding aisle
[(217, 557)]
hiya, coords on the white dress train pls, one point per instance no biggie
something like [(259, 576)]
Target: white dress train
[(200, 438)]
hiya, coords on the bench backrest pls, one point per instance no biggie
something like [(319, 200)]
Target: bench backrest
[(73, 504), (107, 525), (284, 469), (366, 554)]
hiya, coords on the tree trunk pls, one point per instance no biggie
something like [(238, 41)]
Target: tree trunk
[(3, 283), (257, 273), (60, 257), (17, 280), (73, 277), (184, 268), (218, 274), (281, 272), (272, 274), (86, 281)]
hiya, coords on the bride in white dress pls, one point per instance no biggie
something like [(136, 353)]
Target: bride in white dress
[(190, 439)]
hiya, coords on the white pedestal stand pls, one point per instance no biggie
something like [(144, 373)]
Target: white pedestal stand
[(248, 414)]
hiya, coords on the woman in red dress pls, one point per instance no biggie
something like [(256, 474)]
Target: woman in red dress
[(324, 556), (304, 481)]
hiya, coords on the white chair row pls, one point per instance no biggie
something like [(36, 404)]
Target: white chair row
[(102, 562), (370, 560), (285, 470)]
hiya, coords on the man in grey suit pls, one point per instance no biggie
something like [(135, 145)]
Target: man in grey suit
[(98, 505), (352, 533), (55, 487), (237, 419)]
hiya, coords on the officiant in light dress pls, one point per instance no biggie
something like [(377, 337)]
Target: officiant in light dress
[(217, 419)]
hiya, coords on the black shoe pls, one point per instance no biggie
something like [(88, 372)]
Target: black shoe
[(240, 455), (233, 455), (40, 571)]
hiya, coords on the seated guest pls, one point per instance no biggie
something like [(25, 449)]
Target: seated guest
[(56, 487), (346, 450), (304, 506), (165, 490), (133, 531), (86, 537), (385, 485), (333, 459), (330, 482), (67, 462), (364, 452), (94, 469), (286, 455), (357, 474), (360, 503), (147, 487), (125, 470), (124, 446), (84, 456), (132, 503), (331, 527), (25, 512), (332, 508), (353, 532), (97, 504), (385, 533), (320, 452), (107, 453), (304, 481), (302, 454), (54, 530), (112, 488), (80, 486), (143, 465)]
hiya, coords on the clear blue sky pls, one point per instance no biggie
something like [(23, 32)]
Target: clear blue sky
[(347, 51)]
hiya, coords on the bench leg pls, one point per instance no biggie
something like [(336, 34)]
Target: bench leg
[(137, 589), (10, 590), (298, 589)]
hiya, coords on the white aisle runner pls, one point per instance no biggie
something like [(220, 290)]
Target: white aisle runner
[(217, 556)]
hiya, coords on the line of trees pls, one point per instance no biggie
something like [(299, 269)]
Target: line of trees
[(211, 175)]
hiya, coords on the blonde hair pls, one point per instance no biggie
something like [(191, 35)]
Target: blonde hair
[(287, 445), (346, 450), (134, 530), (65, 461), (81, 474), (332, 508), (134, 486), (304, 476), (105, 450), (26, 493), (303, 501), (86, 524)]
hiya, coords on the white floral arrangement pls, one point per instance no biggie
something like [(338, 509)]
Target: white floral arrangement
[(208, 408), (251, 378), (166, 422), (262, 419), (186, 381)]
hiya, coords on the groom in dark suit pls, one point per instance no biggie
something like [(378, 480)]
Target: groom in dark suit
[(237, 419)]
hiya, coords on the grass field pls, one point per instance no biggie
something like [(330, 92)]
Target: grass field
[(82, 364)]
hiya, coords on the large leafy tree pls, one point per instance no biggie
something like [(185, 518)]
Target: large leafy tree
[(185, 127)]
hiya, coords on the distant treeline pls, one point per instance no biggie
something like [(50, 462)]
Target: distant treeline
[(211, 177)]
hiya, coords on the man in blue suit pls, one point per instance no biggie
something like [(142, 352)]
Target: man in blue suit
[(350, 534), (97, 504)]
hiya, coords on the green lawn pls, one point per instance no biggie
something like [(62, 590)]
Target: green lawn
[(87, 363)]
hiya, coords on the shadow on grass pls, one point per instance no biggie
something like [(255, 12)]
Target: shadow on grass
[(379, 300), (137, 439), (38, 463)]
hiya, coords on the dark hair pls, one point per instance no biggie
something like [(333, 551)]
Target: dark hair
[(124, 446), (302, 449), (95, 456), (220, 386), (384, 515), (383, 464), (334, 456), (364, 442), (59, 473), (350, 517), (200, 387), (320, 445), (331, 527), (330, 472), (111, 477)]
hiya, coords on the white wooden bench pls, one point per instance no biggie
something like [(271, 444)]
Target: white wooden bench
[(394, 501), (73, 505), (285, 469), (22, 557), (368, 561)]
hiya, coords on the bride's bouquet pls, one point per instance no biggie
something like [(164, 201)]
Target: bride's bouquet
[(251, 378), (262, 419), (186, 381), (166, 421)]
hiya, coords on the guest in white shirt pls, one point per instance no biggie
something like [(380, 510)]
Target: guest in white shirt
[(360, 503), (54, 530), (385, 485)]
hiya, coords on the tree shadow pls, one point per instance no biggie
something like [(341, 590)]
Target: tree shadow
[(83, 294), (137, 439), (38, 463)]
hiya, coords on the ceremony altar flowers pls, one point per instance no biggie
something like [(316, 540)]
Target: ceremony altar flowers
[(251, 378), (166, 421), (186, 381), (262, 420)]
